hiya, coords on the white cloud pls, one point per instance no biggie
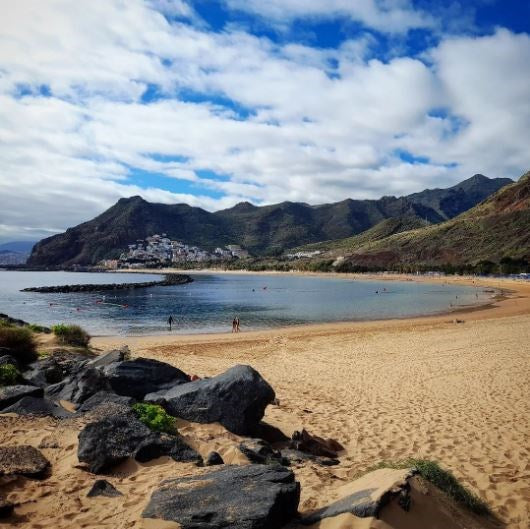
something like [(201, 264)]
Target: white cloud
[(323, 125), (386, 15)]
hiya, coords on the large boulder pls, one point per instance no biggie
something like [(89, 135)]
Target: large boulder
[(38, 406), (104, 398), (116, 355), (135, 378), (79, 386), (233, 497), (22, 460), (11, 394), (236, 398), (44, 372), (112, 439)]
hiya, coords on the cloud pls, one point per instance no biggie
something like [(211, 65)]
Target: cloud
[(89, 98), (394, 16)]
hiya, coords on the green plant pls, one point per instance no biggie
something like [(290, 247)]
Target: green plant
[(71, 335), (155, 417), (17, 342), (38, 328), (441, 478), (9, 375)]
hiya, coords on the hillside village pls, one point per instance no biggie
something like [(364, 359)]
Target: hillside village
[(158, 250)]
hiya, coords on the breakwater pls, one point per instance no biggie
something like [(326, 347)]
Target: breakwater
[(169, 280)]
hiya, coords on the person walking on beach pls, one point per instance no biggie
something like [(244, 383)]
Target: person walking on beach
[(234, 324), (170, 321), (237, 324)]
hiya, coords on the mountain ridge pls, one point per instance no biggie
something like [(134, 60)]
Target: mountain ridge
[(263, 230), (495, 229)]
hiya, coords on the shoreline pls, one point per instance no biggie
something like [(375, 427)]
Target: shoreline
[(511, 298)]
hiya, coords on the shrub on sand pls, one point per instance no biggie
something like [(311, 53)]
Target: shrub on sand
[(17, 342), (155, 417), (71, 335)]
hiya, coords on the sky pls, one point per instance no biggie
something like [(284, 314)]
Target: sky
[(215, 102)]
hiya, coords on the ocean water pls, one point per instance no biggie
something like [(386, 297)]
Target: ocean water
[(210, 303)]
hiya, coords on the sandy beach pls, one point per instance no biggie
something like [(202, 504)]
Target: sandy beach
[(453, 391)]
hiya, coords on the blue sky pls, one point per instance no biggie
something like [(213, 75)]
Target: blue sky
[(217, 102)]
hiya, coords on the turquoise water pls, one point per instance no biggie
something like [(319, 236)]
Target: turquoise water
[(210, 303)]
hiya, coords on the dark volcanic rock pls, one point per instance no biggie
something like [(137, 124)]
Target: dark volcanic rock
[(38, 406), (236, 398), (135, 378), (315, 445), (104, 397), (213, 459), (110, 440), (8, 359), (116, 355), (6, 508), (11, 394), (102, 487), (233, 497), (79, 386), (259, 451), (22, 460), (296, 456), (44, 372)]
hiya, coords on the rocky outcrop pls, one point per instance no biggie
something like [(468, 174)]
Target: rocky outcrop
[(11, 394), (260, 497), (236, 398), (22, 460), (135, 378), (102, 487), (110, 440)]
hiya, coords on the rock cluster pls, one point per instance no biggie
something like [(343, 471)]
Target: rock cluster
[(262, 494)]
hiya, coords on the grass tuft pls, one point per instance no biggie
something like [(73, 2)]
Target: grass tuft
[(9, 375), (155, 417), (17, 342), (71, 335), (441, 478)]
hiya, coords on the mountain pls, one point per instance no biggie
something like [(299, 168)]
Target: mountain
[(497, 228), (265, 230), (17, 246), (15, 252), (381, 230)]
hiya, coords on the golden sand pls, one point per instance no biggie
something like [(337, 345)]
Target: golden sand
[(458, 393)]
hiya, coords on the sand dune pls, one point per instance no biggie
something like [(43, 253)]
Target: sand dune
[(456, 393)]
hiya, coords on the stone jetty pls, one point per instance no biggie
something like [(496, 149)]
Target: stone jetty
[(169, 280)]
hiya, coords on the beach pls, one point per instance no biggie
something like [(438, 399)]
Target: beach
[(454, 388)]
